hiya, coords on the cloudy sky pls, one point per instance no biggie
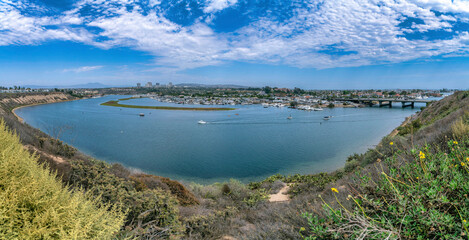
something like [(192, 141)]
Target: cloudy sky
[(308, 43)]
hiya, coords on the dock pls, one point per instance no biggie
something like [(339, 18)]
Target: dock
[(383, 102)]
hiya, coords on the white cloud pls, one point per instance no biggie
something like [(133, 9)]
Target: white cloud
[(455, 6), (217, 5), (83, 69), (185, 47), (370, 33), (322, 34), (16, 28)]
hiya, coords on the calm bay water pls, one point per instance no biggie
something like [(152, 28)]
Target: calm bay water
[(248, 144)]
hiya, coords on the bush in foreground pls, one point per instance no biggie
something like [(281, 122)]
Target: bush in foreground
[(150, 213), (35, 205), (425, 198)]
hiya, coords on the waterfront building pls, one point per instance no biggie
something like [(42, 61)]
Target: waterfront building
[(148, 85)]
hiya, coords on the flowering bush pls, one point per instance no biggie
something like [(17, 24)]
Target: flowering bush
[(426, 198)]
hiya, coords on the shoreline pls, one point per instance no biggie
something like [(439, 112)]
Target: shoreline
[(21, 120), (204, 181), (115, 103)]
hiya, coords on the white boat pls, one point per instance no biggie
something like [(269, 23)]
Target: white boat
[(289, 117), (142, 115), (202, 122), (318, 109)]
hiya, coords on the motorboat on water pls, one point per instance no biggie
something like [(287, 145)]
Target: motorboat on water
[(289, 117), (142, 115), (327, 117), (202, 122), (318, 109)]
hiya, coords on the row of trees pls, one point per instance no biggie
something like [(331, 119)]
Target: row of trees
[(269, 90), (14, 88)]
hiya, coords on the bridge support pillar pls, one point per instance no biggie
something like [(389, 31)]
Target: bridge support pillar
[(411, 104), (389, 103), (369, 103)]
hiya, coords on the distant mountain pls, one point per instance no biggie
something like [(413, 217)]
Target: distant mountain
[(86, 85), (100, 85)]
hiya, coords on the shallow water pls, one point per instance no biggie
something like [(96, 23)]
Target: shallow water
[(248, 144)]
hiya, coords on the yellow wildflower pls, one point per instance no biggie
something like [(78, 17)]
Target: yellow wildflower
[(417, 178), (421, 155), (467, 159), (462, 164), (334, 190), (455, 142), (391, 143), (464, 220)]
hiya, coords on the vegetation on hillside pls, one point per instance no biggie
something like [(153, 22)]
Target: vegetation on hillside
[(150, 211), (419, 191), (35, 205), (424, 198)]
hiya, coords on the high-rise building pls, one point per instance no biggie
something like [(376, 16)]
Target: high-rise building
[(157, 84), (170, 84), (139, 85), (148, 85)]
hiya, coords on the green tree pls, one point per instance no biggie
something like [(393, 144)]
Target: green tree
[(267, 89)]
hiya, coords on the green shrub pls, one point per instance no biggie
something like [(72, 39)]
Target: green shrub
[(146, 181), (351, 165), (460, 128), (256, 197), (411, 127), (35, 205), (146, 208), (423, 199)]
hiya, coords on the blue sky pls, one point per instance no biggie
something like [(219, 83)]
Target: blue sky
[(314, 44)]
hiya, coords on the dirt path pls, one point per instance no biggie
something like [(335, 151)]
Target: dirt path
[(395, 131), (281, 196)]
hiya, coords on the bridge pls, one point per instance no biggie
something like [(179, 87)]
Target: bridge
[(385, 101)]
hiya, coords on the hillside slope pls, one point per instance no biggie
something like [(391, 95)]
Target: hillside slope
[(415, 188), (35, 205)]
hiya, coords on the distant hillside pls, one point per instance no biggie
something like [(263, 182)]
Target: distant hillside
[(86, 85)]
